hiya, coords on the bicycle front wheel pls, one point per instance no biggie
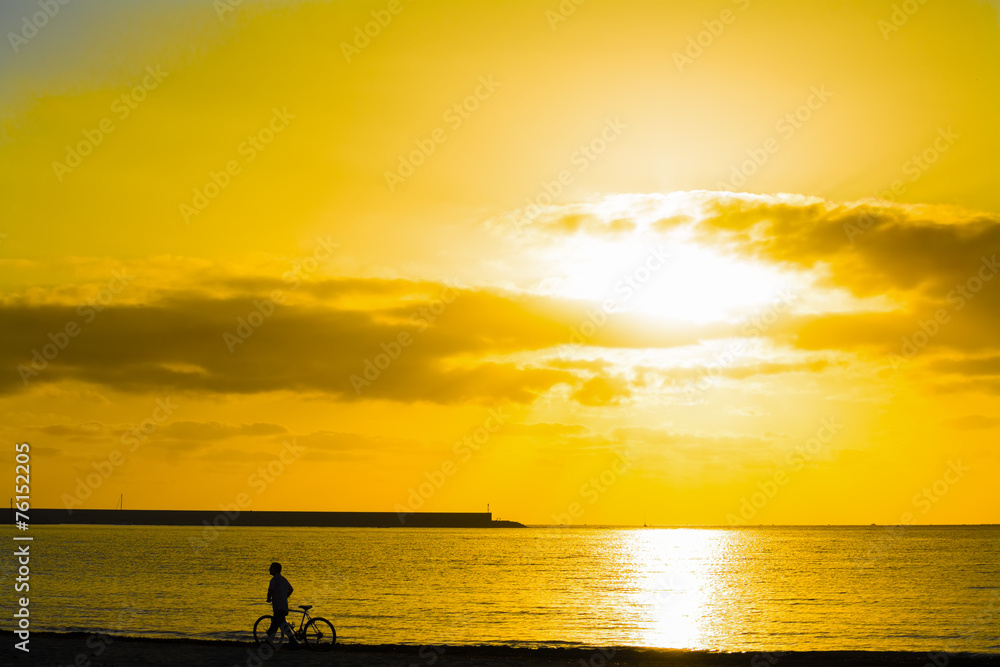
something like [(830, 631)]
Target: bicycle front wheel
[(320, 635)]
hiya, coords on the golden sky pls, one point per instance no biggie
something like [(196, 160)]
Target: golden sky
[(704, 262)]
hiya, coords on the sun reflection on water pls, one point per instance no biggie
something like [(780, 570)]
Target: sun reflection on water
[(676, 587)]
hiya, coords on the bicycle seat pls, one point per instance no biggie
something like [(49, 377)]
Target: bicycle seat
[(305, 607)]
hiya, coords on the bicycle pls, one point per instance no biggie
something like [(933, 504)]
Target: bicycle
[(317, 633)]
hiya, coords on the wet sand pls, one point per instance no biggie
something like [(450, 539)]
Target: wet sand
[(87, 650)]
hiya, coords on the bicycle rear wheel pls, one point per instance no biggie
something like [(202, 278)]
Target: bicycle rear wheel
[(260, 632), (260, 628), (320, 635)]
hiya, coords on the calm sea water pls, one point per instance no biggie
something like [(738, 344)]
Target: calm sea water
[(772, 589)]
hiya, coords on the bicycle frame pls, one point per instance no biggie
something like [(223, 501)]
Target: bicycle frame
[(302, 621)]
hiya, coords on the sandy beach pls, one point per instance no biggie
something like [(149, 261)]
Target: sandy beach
[(90, 650)]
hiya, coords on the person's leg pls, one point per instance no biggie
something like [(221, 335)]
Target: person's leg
[(277, 620), (289, 630)]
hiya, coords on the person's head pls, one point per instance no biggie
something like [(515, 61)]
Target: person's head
[(275, 568)]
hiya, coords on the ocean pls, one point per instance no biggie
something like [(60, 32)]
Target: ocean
[(725, 589)]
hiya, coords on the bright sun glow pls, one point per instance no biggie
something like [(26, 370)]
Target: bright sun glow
[(675, 278)]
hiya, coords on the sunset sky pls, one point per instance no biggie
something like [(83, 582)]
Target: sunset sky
[(691, 263)]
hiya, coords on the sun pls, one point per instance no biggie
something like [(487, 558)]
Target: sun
[(670, 277)]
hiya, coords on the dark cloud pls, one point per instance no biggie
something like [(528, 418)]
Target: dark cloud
[(178, 344), (930, 259), (869, 249), (452, 349)]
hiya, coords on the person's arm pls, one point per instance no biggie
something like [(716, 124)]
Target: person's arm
[(269, 586), (290, 589)]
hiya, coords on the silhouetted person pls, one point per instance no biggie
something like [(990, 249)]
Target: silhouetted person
[(278, 592)]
